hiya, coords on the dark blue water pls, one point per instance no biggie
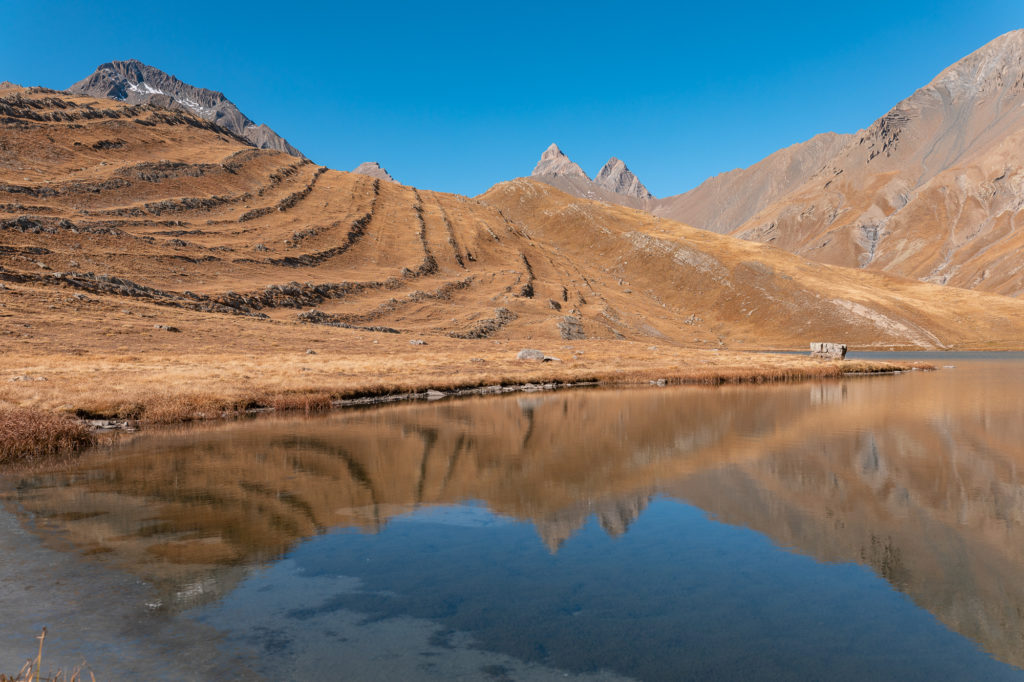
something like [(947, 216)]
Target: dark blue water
[(680, 596)]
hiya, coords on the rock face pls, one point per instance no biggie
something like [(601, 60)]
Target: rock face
[(726, 201), (137, 83), (554, 162), (933, 190), (374, 170), (828, 351), (616, 177)]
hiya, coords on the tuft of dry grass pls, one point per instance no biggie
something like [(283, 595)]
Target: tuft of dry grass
[(31, 433), (315, 401), (32, 670)]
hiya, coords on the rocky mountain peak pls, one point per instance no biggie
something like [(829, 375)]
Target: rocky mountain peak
[(374, 170), (997, 65), (133, 82), (554, 162), (616, 177)]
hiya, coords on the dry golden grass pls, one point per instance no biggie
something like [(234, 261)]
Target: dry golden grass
[(167, 385), (32, 670), (31, 433)]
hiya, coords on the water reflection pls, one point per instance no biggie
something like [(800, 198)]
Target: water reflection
[(917, 476)]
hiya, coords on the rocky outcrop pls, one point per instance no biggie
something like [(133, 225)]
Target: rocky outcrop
[(616, 177), (571, 328), (133, 82), (374, 170), (828, 351), (554, 162)]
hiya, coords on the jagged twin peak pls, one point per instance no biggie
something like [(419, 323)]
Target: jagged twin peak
[(616, 177), (374, 170), (554, 162), (613, 177), (137, 83)]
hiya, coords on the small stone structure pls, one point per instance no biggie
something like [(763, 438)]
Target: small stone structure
[(828, 351), (571, 328)]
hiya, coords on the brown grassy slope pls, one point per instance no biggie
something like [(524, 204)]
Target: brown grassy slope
[(117, 218), (654, 274)]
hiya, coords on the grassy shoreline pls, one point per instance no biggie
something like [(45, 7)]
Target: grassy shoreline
[(42, 415)]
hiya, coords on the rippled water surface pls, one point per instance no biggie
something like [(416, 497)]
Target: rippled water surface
[(864, 528)]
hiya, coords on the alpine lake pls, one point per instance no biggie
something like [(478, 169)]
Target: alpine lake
[(863, 528)]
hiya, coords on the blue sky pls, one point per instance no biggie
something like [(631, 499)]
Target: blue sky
[(457, 96)]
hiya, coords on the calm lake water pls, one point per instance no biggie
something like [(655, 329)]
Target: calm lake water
[(869, 528)]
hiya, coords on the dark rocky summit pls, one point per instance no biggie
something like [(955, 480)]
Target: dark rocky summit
[(137, 83)]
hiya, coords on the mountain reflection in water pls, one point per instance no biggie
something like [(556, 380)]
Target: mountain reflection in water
[(917, 476)]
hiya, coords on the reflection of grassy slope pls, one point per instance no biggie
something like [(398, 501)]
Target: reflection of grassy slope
[(912, 476), (924, 490), (114, 219)]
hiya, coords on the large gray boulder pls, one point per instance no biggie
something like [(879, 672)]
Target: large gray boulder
[(828, 351), (530, 354)]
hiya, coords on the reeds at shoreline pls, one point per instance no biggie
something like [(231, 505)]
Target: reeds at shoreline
[(29, 433)]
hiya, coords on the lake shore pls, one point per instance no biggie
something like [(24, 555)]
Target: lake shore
[(174, 383)]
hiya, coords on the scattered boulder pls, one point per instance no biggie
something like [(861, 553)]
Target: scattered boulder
[(535, 355), (310, 351), (555, 305), (828, 351), (166, 328), (433, 394), (418, 342)]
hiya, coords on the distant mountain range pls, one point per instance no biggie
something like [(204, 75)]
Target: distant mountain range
[(932, 190)]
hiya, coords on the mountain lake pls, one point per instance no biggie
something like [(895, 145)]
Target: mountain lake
[(864, 528)]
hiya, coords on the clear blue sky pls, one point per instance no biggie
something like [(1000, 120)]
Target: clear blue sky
[(457, 96)]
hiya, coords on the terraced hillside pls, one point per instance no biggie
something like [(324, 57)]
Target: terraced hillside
[(141, 204), (154, 262)]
